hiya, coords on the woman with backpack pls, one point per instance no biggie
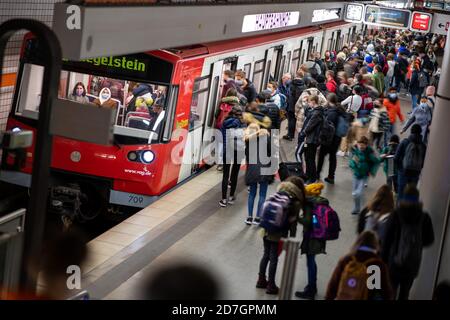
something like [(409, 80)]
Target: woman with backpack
[(374, 216), (351, 276), (233, 153), (257, 146), (409, 229), (292, 191)]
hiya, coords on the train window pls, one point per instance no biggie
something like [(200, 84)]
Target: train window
[(215, 87), (199, 102), (258, 74), (288, 63), (295, 60), (247, 69), (30, 90)]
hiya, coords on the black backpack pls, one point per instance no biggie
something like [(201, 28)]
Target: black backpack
[(327, 131), (313, 71), (409, 250), (413, 158)]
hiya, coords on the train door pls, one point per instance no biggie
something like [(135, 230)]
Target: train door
[(310, 49), (269, 55), (338, 41), (275, 68)]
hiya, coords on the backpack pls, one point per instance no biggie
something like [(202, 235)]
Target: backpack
[(225, 109), (423, 80), (409, 250), (343, 125), (325, 223), (313, 71), (327, 131), (384, 123), (283, 101), (353, 283), (377, 224), (237, 136), (413, 158), (274, 213)]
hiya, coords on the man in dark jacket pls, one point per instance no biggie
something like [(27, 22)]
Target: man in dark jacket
[(313, 125), (247, 87), (296, 89), (414, 87), (408, 176), (269, 108), (408, 230), (400, 71)]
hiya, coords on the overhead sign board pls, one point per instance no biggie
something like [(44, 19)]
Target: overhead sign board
[(354, 12), (387, 17), (322, 15), (440, 23), (270, 21), (420, 22)]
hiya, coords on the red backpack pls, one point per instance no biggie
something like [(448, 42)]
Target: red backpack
[(225, 109)]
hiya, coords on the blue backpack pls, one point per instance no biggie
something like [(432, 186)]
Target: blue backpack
[(343, 125), (274, 213), (283, 101)]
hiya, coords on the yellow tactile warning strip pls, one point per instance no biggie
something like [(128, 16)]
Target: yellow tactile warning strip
[(128, 232)]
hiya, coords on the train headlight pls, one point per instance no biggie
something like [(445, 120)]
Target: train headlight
[(132, 156), (147, 156)]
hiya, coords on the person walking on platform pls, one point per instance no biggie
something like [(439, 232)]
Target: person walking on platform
[(409, 159), (409, 229), (294, 189), (392, 104), (334, 111), (391, 173), (349, 278), (311, 245), (363, 164), (421, 115), (233, 153), (257, 150)]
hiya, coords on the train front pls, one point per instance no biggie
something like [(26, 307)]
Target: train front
[(86, 178)]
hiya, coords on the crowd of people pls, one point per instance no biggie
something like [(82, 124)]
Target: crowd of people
[(346, 103)]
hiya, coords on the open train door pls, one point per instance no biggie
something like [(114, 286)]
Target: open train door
[(209, 148)]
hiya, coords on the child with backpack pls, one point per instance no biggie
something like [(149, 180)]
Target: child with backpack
[(387, 155), (408, 230), (363, 163), (279, 218), (316, 232), (350, 279)]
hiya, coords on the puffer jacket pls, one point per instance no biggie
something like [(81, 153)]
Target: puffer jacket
[(302, 104), (364, 162), (310, 245), (297, 197), (422, 116), (257, 117), (313, 125), (402, 216), (271, 110), (257, 168)]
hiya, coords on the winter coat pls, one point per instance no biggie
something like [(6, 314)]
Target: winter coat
[(333, 113), (371, 220), (229, 125), (394, 110), (297, 88), (297, 197), (249, 91), (310, 245), (271, 110), (422, 116), (257, 171), (402, 216), (226, 104), (385, 293), (313, 125), (363, 163), (378, 82), (379, 120), (331, 86), (257, 117), (323, 88), (414, 87), (302, 104), (399, 155), (229, 84)]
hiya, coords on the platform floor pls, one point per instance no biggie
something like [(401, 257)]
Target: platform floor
[(188, 224)]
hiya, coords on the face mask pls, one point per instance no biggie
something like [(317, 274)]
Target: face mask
[(239, 82), (393, 96), (105, 96)]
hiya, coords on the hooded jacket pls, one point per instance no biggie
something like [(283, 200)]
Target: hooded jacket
[(399, 155), (422, 116), (313, 125), (302, 105), (402, 216), (364, 162), (393, 109), (310, 245), (257, 117), (297, 199), (297, 88)]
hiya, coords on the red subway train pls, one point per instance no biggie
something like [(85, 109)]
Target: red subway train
[(181, 87)]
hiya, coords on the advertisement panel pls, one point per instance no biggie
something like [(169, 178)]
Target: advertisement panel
[(354, 12), (387, 17)]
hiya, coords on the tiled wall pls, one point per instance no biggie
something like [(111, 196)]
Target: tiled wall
[(34, 9)]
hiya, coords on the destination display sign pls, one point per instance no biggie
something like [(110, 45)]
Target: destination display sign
[(270, 21), (354, 12), (420, 22), (387, 17)]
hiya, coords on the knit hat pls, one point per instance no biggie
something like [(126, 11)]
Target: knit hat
[(314, 189), (369, 59)]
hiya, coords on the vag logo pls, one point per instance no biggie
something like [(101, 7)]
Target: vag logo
[(73, 21)]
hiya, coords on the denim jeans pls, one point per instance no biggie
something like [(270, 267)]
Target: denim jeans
[(312, 271), (252, 196), (270, 254), (415, 100), (357, 193)]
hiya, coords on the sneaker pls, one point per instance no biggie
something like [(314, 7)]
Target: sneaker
[(340, 153), (329, 180), (249, 221), (223, 203), (219, 167), (257, 220), (286, 137), (272, 288), (231, 200)]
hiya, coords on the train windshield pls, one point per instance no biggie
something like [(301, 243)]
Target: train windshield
[(125, 84)]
